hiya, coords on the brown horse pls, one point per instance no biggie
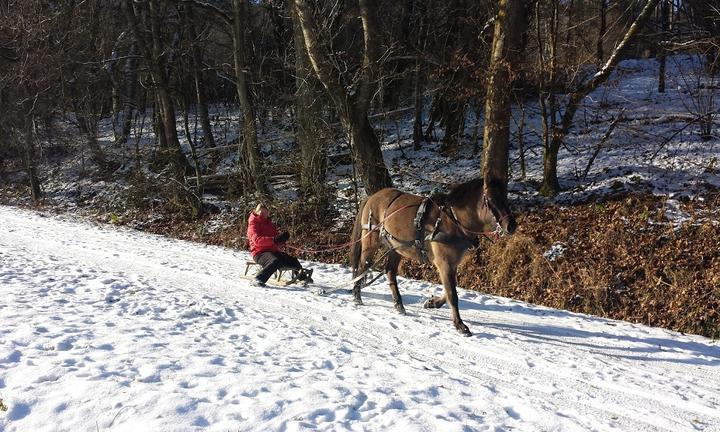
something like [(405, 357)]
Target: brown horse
[(438, 230)]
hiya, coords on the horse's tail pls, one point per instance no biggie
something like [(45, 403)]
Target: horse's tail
[(356, 244)]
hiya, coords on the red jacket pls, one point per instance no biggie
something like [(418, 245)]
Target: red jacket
[(260, 233)]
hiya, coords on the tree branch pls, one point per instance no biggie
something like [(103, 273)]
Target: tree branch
[(214, 10)]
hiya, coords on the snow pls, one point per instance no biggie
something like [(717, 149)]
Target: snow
[(113, 329), (556, 251)]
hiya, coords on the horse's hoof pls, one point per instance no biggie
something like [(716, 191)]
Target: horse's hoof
[(464, 330), (430, 304), (358, 302), (400, 309)]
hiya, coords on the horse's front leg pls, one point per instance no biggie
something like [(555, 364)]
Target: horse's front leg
[(448, 275), (436, 302), (391, 272)]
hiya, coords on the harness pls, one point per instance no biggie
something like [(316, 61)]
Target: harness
[(421, 238)]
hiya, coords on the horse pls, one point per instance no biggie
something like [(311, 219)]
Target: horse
[(437, 229)]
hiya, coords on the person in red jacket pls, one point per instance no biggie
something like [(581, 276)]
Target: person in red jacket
[(265, 243)]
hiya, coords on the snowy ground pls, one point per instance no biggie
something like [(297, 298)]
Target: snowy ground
[(107, 329)]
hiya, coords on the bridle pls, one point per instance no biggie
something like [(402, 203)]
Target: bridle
[(490, 235)]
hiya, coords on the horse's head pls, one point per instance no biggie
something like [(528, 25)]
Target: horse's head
[(500, 217)]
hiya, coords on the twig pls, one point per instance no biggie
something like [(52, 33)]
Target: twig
[(679, 131), (601, 144)]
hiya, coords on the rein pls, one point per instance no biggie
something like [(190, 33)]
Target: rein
[(490, 235), (493, 236), (350, 243)]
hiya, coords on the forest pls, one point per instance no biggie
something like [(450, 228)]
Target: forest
[(597, 120)]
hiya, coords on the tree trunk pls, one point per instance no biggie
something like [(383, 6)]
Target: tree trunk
[(417, 118), (115, 90), (130, 73), (200, 99), (509, 27), (310, 138), (602, 16), (548, 70), (662, 56), (570, 34), (551, 185), (195, 199), (29, 162), (153, 51), (453, 99), (706, 15), (252, 170), (366, 150), (454, 115), (87, 124), (476, 126), (352, 109), (167, 107)]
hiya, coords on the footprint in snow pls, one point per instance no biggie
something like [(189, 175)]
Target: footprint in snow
[(13, 357), (60, 407), (321, 415), (201, 422), (105, 347), (187, 385), (512, 413), (219, 361), (19, 411), (64, 345)]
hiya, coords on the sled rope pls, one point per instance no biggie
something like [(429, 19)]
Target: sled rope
[(350, 243)]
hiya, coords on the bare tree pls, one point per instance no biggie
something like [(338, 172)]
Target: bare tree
[(196, 68), (352, 107), (602, 29), (662, 55), (509, 27), (309, 130), (241, 53), (153, 52), (705, 14), (551, 185), (34, 39)]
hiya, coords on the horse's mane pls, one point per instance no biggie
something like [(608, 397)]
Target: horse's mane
[(461, 194)]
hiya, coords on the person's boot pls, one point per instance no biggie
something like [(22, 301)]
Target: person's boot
[(305, 275)]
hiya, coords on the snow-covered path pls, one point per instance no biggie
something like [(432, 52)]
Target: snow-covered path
[(111, 329)]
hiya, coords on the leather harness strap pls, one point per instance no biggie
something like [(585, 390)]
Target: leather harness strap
[(420, 237), (462, 241)]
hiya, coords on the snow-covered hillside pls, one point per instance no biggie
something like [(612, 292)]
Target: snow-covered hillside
[(107, 329)]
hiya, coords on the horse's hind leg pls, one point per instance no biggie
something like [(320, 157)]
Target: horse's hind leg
[(368, 252), (391, 272)]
